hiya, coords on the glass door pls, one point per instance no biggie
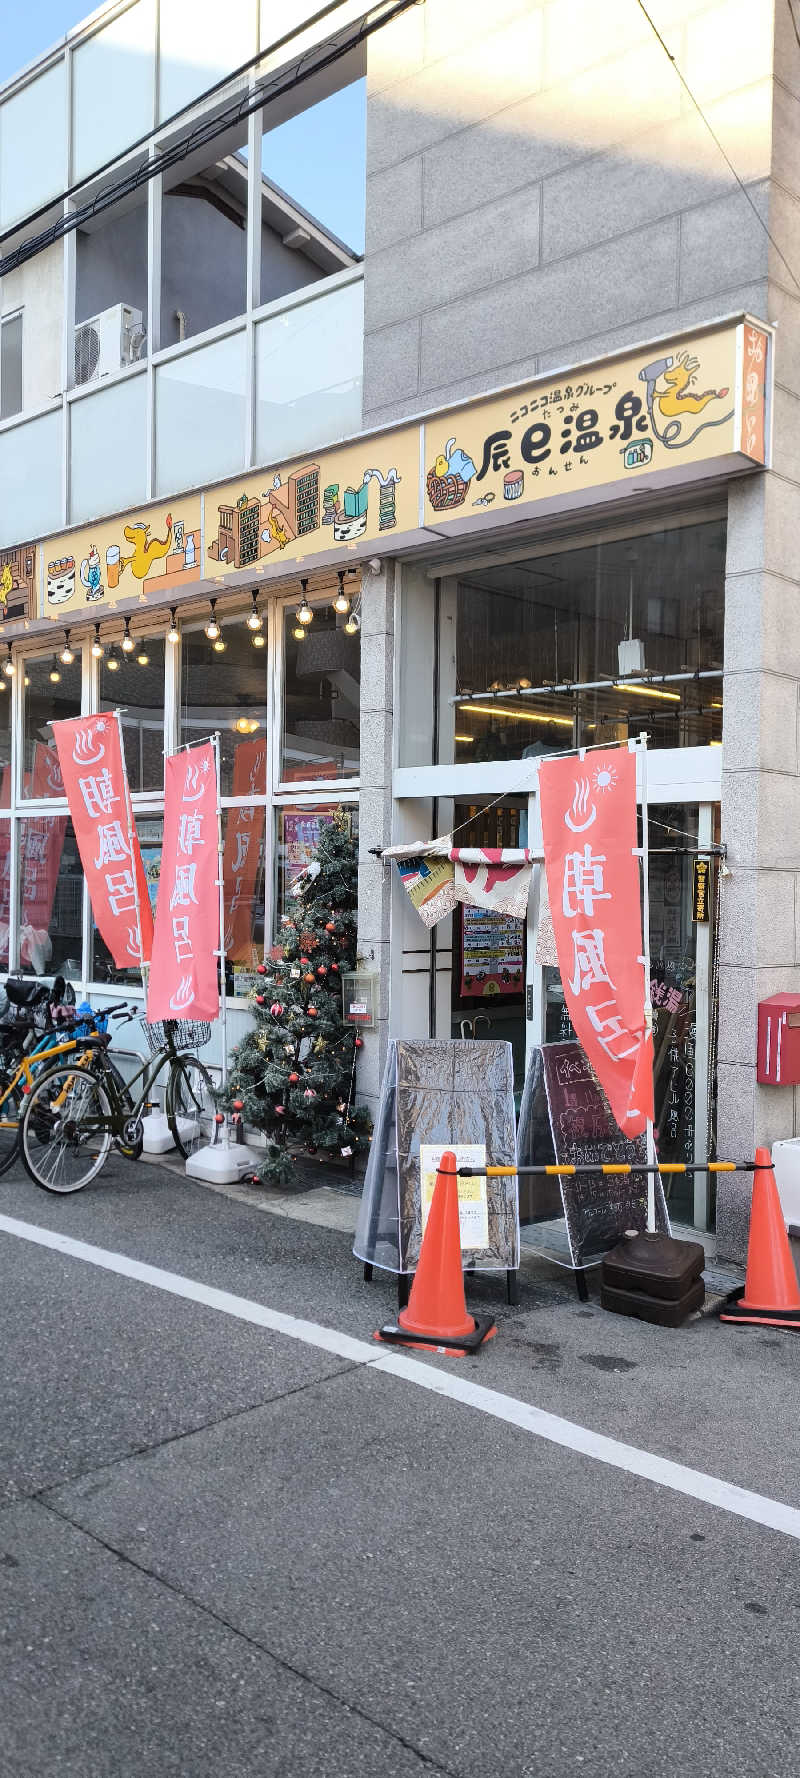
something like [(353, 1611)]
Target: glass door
[(489, 949)]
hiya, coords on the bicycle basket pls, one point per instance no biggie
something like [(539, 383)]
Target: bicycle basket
[(187, 1034)]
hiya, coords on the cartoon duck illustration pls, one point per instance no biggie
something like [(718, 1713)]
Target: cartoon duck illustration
[(146, 549), (6, 584), (677, 399)]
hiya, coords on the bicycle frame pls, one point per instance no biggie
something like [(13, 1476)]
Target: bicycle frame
[(29, 1066), (148, 1074)]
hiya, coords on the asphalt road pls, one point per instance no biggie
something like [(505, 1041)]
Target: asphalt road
[(226, 1552)]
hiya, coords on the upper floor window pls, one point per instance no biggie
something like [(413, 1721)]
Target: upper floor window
[(10, 365)]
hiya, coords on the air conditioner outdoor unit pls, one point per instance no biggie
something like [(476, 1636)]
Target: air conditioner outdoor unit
[(108, 341)]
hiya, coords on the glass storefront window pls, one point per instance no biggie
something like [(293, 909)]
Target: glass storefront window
[(135, 684), (244, 834), (297, 840), (45, 701), (50, 897), (227, 690), (591, 617), (321, 712), (102, 968)]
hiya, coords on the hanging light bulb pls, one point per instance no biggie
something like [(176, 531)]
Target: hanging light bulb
[(212, 627), (219, 646), (259, 639), (97, 646), (341, 603), (353, 624), (8, 665), (54, 672), (127, 644), (254, 620), (143, 657), (112, 663), (305, 614), (299, 633), (66, 656), (173, 633)]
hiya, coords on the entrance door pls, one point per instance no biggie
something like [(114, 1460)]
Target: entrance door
[(489, 950)]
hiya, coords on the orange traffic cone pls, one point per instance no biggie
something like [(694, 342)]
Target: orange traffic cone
[(771, 1296), (437, 1310)]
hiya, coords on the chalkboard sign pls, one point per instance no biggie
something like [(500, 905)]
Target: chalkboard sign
[(565, 1116)]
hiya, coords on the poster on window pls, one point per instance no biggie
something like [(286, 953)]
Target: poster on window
[(491, 954), (93, 771), (184, 979), (300, 830)]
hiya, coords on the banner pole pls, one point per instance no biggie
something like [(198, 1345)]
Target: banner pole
[(223, 1004), (648, 1007), (134, 872)]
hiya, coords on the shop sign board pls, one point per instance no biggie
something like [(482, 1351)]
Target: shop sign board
[(696, 402), (683, 403), (153, 551), (700, 891)]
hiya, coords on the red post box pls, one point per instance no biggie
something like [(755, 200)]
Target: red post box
[(778, 1054)]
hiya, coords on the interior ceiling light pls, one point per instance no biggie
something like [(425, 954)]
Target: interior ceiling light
[(173, 633), (647, 691), (212, 627), (8, 665), (517, 715), (246, 725), (143, 657), (112, 664), (463, 737), (305, 614), (127, 644), (299, 633), (219, 646), (254, 618), (259, 639), (97, 646), (66, 655), (341, 603), (54, 672)]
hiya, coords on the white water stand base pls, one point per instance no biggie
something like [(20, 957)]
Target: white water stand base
[(222, 1162), (156, 1133)]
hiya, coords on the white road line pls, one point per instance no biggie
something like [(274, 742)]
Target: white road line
[(758, 1508)]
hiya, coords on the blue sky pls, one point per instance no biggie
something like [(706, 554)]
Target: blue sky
[(318, 157)]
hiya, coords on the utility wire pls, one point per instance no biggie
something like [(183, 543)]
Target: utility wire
[(715, 138), (794, 22)]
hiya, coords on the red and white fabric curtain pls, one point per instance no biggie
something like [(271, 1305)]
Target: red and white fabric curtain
[(437, 875)]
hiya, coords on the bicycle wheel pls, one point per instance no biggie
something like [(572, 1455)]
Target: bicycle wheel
[(190, 1105), (66, 1129), (10, 1111)]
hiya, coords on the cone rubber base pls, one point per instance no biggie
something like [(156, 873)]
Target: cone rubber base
[(736, 1310), (394, 1334)]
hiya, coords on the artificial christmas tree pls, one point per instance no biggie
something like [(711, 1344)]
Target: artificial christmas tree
[(293, 1075)]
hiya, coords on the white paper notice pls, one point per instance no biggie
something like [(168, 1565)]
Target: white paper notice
[(473, 1207)]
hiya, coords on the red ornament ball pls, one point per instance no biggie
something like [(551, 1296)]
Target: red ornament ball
[(312, 1012), (262, 969), (259, 1000), (308, 977), (293, 1079), (321, 970), (276, 1009), (219, 1118), (279, 1110), (305, 960), (329, 927), (335, 968), (359, 1043), (238, 1104)]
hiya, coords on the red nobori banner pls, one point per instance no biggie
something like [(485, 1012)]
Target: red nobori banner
[(588, 809), (184, 978), (96, 788), (243, 837)]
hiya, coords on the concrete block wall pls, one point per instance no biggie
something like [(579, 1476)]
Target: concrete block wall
[(540, 188)]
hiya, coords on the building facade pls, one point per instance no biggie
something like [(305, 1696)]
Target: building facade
[(514, 437)]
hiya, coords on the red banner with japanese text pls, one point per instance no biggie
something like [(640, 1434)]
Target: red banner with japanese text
[(588, 809), (95, 783), (184, 980), (244, 832)]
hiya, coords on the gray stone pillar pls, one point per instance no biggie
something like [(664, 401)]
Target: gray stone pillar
[(375, 811)]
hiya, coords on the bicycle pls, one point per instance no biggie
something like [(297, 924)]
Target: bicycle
[(74, 1114), (72, 1032)]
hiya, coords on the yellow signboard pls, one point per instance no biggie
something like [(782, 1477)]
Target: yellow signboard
[(156, 551), (348, 495), (684, 403)]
